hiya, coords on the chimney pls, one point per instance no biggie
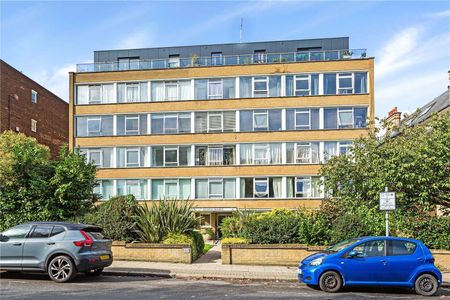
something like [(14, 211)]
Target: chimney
[(394, 117), (448, 86)]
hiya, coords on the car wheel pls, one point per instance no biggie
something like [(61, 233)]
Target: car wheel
[(95, 272), (330, 282), (426, 285), (61, 269)]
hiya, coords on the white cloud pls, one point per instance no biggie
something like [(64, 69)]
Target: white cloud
[(139, 39), (56, 80), (441, 14)]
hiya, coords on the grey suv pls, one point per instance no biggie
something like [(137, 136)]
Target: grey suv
[(58, 248)]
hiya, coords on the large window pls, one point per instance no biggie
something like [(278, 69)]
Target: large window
[(215, 88), (132, 157), (105, 189), (135, 187), (214, 155), (100, 157), (215, 188), (302, 119), (345, 117), (171, 156), (215, 121), (95, 94), (171, 123), (302, 85), (303, 187), (259, 154), (260, 86), (131, 124), (336, 148), (345, 83), (260, 120), (132, 92), (171, 189), (261, 187), (302, 153), (94, 126), (171, 90)]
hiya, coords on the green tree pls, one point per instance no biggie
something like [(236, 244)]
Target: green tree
[(415, 164), (33, 187)]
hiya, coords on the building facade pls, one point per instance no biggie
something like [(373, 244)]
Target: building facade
[(28, 107), (232, 126)]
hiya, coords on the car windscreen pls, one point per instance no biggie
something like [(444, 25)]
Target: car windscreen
[(342, 245)]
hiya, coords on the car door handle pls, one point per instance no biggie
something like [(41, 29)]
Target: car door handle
[(50, 243), (420, 259), (17, 244)]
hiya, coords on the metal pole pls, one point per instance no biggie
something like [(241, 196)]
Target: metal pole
[(387, 216)]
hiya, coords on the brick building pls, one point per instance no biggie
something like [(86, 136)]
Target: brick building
[(28, 107)]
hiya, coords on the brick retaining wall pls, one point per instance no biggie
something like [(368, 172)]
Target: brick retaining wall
[(152, 252)]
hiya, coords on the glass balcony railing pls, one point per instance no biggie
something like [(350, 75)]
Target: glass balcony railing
[(225, 60)]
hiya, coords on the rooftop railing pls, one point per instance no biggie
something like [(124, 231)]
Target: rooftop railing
[(224, 60)]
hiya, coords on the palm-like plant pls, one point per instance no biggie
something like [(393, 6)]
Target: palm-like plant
[(155, 221)]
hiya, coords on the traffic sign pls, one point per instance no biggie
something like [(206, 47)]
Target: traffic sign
[(387, 201)]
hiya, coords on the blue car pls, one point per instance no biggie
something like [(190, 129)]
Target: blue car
[(373, 261)]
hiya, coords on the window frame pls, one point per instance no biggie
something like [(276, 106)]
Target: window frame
[(260, 113), (99, 101), (171, 83), (299, 78), (215, 196), (167, 116), (303, 111), (33, 125), (127, 185), (264, 148), (304, 180), (99, 151), (216, 56), (345, 75), (215, 81), (134, 131), (93, 119), (172, 164), (131, 165), (261, 180), (257, 79), (210, 148), (307, 145), (127, 85), (345, 125), (34, 96), (215, 114)]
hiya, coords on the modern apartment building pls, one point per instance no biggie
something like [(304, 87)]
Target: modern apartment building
[(28, 107), (229, 126)]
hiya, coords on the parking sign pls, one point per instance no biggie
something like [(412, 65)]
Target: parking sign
[(387, 201)]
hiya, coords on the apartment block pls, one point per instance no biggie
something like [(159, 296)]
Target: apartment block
[(228, 126), (28, 107)]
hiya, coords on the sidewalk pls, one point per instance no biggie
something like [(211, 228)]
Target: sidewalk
[(209, 266)]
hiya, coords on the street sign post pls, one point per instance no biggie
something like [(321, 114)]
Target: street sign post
[(387, 203)]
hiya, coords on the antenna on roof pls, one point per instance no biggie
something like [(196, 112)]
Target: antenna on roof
[(240, 31)]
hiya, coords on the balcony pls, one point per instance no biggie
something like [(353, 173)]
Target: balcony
[(225, 60)]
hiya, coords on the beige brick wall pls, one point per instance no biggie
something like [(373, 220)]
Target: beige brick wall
[(152, 252), (291, 255)]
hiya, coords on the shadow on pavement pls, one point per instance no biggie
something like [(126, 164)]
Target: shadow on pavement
[(389, 290), (80, 278)]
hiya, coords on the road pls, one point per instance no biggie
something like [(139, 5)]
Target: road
[(38, 286)]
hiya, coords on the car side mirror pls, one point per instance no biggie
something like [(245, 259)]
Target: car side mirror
[(2, 238), (354, 253)]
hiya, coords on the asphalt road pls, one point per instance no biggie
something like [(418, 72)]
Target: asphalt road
[(37, 286)]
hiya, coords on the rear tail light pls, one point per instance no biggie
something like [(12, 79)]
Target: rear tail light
[(87, 242)]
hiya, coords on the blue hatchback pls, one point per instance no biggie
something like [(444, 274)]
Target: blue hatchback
[(373, 261)]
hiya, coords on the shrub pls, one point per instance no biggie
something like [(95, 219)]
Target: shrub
[(194, 239), (234, 240), (280, 226), (232, 226), (155, 221), (314, 229), (116, 217)]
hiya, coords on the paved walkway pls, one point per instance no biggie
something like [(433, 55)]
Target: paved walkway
[(210, 266)]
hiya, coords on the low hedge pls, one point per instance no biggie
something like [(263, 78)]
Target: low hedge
[(234, 240), (194, 239)]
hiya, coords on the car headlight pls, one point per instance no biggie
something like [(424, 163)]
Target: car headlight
[(316, 262)]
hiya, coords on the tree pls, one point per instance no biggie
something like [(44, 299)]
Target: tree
[(34, 188), (415, 164)]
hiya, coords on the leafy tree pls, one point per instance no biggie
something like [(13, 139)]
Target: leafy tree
[(33, 187), (415, 164)]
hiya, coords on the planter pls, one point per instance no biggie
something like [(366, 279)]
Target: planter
[(152, 252)]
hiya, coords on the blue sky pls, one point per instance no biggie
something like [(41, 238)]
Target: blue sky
[(410, 40)]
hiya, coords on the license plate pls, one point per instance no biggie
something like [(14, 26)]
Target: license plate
[(104, 257)]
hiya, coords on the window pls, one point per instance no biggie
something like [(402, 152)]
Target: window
[(131, 125), (128, 63), (261, 120), (215, 156), (302, 85), (303, 187), (41, 231), (34, 96), (174, 61), (260, 86), (307, 153), (33, 125), (105, 189), (17, 232), (397, 247), (94, 126), (216, 58), (261, 187), (132, 92), (164, 156), (171, 90), (370, 249), (344, 147), (215, 188), (100, 157), (171, 188), (260, 56), (205, 220), (95, 156), (132, 157), (330, 150), (95, 94), (215, 89), (135, 187), (57, 230), (360, 82), (261, 156), (302, 119), (171, 123), (329, 84), (345, 118), (345, 83), (215, 121)]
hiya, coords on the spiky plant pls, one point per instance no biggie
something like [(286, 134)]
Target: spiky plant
[(155, 221)]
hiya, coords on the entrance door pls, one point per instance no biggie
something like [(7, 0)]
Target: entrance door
[(219, 224)]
